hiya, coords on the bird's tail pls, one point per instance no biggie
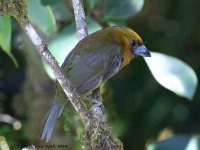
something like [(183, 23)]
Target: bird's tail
[(52, 115)]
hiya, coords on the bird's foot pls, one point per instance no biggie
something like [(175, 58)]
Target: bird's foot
[(98, 109), (97, 102)]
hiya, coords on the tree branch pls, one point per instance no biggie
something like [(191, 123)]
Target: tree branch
[(17, 9), (82, 32), (81, 27), (98, 134), (68, 88)]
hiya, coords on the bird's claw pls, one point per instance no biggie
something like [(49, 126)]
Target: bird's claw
[(94, 100), (97, 103)]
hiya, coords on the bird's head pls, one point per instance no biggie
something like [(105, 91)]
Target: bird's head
[(135, 43)]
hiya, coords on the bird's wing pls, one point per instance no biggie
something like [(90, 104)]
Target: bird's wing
[(87, 68)]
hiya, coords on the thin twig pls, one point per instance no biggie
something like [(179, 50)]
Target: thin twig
[(10, 120), (98, 134), (81, 27), (82, 32)]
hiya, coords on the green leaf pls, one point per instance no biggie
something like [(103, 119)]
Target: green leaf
[(91, 3), (62, 13), (41, 16), (50, 2), (121, 9), (182, 142), (173, 74), (5, 37), (65, 41)]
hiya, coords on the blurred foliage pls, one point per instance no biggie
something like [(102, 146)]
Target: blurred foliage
[(122, 9), (138, 108), (5, 36), (173, 74), (41, 16), (177, 142)]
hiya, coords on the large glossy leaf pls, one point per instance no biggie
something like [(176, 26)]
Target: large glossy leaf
[(173, 74), (65, 41), (177, 142), (5, 36), (121, 9), (41, 16)]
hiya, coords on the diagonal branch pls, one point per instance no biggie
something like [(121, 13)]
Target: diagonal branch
[(98, 135), (68, 88)]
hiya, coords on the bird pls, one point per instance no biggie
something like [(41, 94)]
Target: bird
[(94, 60)]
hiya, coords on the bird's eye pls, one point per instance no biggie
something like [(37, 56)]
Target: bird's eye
[(133, 43)]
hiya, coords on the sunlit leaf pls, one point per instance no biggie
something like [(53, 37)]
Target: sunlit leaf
[(173, 74), (41, 16), (5, 37), (3, 143), (120, 9), (5, 33), (183, 142), (65, 41), (193, 144)]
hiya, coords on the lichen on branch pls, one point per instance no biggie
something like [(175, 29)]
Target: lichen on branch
[(98, 134), (15, 8)]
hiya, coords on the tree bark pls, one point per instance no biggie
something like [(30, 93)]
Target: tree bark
[(98, 135)]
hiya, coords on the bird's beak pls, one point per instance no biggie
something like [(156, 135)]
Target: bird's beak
[(142, 51)]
